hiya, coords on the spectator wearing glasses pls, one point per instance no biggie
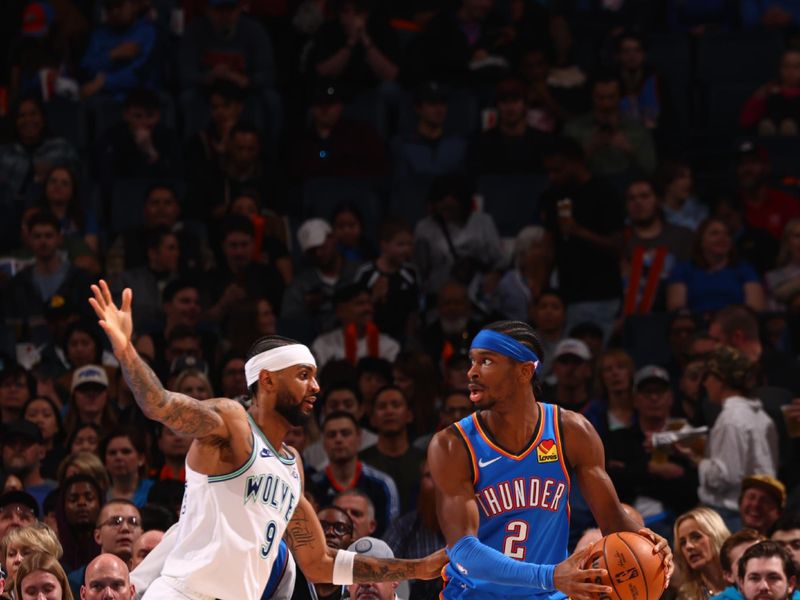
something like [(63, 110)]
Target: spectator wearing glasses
[(338, 530), (118, 527)]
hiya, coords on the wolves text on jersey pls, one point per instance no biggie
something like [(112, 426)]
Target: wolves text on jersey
[(270, 490)]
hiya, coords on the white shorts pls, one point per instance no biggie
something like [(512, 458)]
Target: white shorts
[(168, 588)]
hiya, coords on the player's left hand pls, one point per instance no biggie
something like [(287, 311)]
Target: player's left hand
[(662, 548)]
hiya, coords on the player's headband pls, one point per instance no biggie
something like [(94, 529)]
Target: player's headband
[(505, 345), (277, 359)]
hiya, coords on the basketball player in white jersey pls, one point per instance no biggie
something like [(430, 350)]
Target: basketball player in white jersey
[(243, 486)]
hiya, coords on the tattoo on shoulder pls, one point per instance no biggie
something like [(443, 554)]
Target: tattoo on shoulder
[(371, 570), (177, 411)]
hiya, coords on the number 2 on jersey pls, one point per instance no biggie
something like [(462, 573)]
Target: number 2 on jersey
[(516, 536), (269, 537)]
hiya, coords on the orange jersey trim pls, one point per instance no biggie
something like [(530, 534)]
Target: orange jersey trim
[(471, 451), (537, 438)]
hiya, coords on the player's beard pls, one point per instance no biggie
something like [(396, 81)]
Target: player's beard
[(286, 406)]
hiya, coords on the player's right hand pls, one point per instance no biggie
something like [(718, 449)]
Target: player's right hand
[(578, 583), (116, 322)]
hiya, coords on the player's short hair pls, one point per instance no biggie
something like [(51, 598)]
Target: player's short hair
[(740, 537), (767, 549)]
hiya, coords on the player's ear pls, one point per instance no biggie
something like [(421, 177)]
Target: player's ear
[(266, 379)]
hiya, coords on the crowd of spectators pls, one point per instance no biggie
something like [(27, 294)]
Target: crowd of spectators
[(380, 179)]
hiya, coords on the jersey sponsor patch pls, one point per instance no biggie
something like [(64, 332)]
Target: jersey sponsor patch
[(547, 451)]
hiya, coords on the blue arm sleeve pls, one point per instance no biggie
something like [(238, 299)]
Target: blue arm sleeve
[(473, 559)]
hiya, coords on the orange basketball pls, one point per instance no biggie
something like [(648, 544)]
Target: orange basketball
[(634, 572)]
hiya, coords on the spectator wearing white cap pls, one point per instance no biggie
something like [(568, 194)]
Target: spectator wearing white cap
[(89, 402), (571, 373), (658, 482), (310, 296), (371, 546)]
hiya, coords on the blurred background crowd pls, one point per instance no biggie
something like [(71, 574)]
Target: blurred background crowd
[(379, 179)]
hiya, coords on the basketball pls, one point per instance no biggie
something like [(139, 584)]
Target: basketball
[(634, 572)]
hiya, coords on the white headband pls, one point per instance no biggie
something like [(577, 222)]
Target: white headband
[(277, 359)]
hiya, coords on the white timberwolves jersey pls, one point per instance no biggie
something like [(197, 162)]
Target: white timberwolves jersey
[(231, 525)]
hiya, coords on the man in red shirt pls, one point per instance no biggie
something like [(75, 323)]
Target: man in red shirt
[(765, 207)]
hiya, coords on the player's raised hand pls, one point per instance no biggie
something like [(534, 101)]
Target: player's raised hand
[(116, 322), (579, 583), (662, 548)]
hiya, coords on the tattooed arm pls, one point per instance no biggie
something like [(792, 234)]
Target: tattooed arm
[(179, 412), (306, 540)]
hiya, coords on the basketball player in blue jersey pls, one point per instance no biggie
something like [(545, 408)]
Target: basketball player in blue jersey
[(243, 486), (503, 479)]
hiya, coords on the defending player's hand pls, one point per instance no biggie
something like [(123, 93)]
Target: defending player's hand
[(662, 548), (578, 583), (116, 322), (433, 565)]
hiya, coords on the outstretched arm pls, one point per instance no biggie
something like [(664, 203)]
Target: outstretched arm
[(179, 412), (306, 540), (459, 519)]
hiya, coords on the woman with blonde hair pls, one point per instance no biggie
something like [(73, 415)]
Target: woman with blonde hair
[(194, 383), (84, 463), (41, 575), (783, 281), (20, 543), (698, 538)]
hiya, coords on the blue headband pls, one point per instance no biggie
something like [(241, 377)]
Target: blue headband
[(505, 345)]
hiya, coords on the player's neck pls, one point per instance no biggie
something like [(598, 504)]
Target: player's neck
[(514, 424), (271, 424)]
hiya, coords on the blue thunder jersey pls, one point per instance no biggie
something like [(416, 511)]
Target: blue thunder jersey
[(523, 501)]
